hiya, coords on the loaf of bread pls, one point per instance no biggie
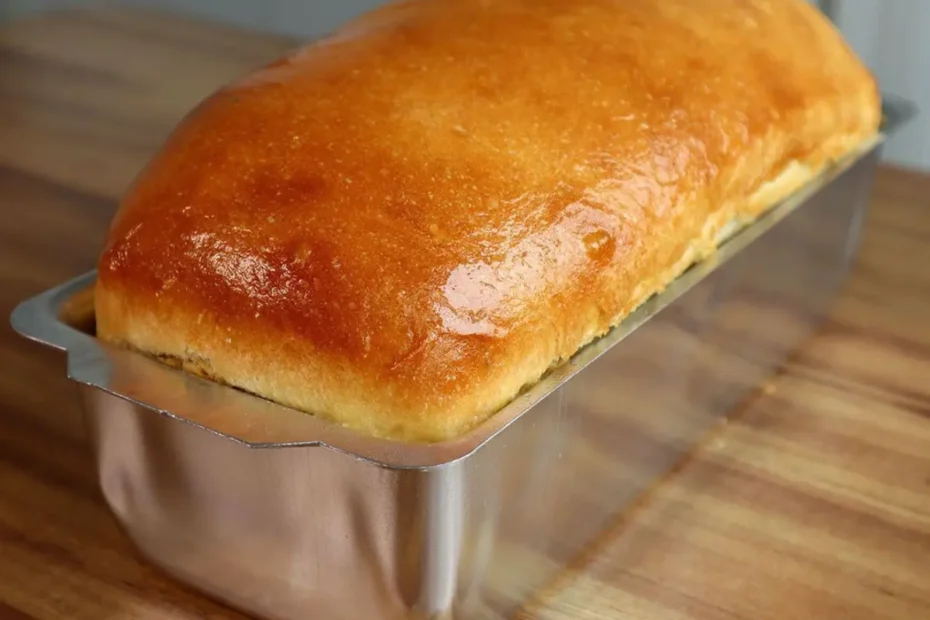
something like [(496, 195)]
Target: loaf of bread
[(402, 225)]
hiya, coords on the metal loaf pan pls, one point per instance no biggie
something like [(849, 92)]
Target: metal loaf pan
[(288, 517)]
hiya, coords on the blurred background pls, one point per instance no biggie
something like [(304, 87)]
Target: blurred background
[(890, 35)]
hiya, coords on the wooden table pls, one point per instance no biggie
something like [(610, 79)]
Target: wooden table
[(813, 504)]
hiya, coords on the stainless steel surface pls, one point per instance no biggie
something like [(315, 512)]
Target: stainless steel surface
[(829, 8), (288, 517)]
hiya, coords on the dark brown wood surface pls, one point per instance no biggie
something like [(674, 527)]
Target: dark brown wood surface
[(814, 503)]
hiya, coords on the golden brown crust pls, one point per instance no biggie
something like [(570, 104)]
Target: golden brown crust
[(400, 226)]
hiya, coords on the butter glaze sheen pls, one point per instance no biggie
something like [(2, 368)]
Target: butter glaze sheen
[(400, 226)]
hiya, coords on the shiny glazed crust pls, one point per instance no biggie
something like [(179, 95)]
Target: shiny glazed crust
[(402, 225)]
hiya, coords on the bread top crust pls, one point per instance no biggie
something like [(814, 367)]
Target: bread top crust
[(399, 226)]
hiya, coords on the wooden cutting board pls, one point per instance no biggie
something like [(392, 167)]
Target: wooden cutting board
[(813, 503)]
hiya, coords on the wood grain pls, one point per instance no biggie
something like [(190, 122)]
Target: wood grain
[(814, 502)]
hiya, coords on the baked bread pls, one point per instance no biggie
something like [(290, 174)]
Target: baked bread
[(401, 226)]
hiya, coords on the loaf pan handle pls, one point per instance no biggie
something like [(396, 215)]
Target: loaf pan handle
[(39, 318)]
